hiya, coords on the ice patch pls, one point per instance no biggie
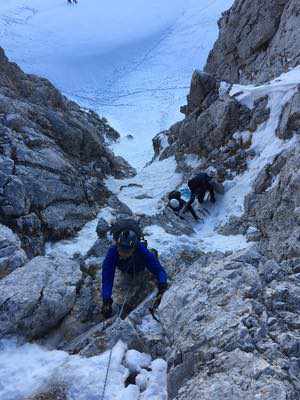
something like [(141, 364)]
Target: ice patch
[(135, 360), (154, 380), (143, 193), (30, 369)]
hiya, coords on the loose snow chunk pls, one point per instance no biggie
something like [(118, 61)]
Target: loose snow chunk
[(132, 392), (135, 361), (154, 382)]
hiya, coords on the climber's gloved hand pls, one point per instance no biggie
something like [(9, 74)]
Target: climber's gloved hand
[(106, 309), (162, 287), (212, 200)]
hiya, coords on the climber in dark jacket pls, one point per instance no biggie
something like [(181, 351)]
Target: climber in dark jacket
[(177, 204), (132, 257), (198, 186)]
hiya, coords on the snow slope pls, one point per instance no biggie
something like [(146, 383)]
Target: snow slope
[(130, 61), (28, 368)]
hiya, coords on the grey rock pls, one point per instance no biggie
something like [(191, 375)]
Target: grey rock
[(251, 255), (62, 219), (53, 159), (36, 297), (289, 123), (253, 234), (206, 131), (272, 206), (263, 180), (231, 162), (103, 336), (203, 86), (11, 254), (260, 113), (290, 344), (30, 227), (13, 201), (234, 226), (6, 165), (216, 315), (257, 41), (230, 376), (271, 270), (15, 122), (99, 248)]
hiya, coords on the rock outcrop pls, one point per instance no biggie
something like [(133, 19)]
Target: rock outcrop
[(290, 118), (53, 158), (236, 332), (272, 208), (257, 41), (216, 131), (231, 319), (12, 256), (35, 298)]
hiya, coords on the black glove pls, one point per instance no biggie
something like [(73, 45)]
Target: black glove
[(213, 200), (106, 309), (162, 287)]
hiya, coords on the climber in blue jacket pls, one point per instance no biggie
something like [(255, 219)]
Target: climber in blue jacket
[(132, 257)]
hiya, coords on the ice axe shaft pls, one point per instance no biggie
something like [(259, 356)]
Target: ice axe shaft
[(152, 312), (155, 305)]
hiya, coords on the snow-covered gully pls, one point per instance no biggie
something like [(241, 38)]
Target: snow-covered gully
[(36, 370), (28, 367)]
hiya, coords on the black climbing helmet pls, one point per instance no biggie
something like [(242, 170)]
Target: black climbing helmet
[(125, 224), (127, 241)]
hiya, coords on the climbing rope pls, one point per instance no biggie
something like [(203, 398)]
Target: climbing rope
[(118, 317), (106, 375), (111, 350)]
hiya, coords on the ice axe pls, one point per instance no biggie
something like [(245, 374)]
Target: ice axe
[(155, 305)]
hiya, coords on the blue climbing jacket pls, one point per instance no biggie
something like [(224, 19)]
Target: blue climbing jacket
[(141, 259)]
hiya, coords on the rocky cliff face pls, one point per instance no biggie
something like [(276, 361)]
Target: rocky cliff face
[(229, 323), (53, 158), (236, 332), (216, 130), (258, 41)]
